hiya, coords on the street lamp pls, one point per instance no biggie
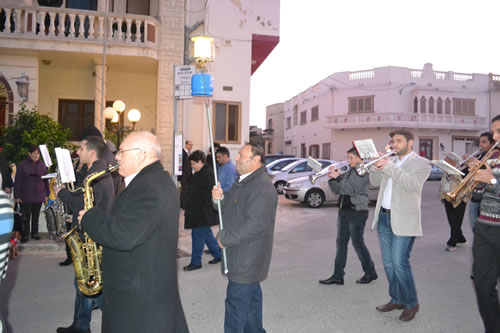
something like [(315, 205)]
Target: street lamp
[(115, 115), (202, 86), (23, 84)]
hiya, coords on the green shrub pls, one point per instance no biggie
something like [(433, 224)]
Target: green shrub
[(32, 128)]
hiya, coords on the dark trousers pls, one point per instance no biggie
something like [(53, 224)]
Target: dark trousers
[(31, 212), (455, 218), (243, 308), (351, 224), (486, 269), (201, 236)]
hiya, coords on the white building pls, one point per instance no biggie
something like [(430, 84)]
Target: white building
[(59, 46), (445, 108), (274, 132)]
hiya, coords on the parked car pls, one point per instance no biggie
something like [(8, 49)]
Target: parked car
[(269, 158), (436, 173), (292, 171), (278, 165), (315, 195)]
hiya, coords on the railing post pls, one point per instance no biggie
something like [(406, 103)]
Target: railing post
[(52, 26), (91, 27), (71, 26), (138, 24), (7, 19), (17, 20), (100, 34), (81, 29), (128, 35), (119, 31), (110, 28)]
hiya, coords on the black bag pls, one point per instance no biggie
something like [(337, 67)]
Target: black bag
[(19, 220)]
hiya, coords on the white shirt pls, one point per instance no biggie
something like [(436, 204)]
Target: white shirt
[(128, 179), (245, 175), (386, 201)]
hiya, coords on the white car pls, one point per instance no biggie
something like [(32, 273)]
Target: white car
[(278, 165), (292, 171), (314, 195)]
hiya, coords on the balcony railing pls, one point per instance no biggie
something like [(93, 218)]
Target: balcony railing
[(47, 23), (414, 120), (268, 133)]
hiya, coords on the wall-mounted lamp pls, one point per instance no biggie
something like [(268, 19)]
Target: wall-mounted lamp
[(23, 84), (115, 113)]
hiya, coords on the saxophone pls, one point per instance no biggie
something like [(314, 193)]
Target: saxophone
[(87, 254), (468, 184)]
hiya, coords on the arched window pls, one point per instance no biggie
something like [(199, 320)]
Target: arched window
[(6, 104), (270, 124), (447, 106), (422, 104), (439, 105), (415, 105), (431, 105)]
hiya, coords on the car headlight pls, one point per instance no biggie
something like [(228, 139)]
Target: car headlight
[(294, 185)]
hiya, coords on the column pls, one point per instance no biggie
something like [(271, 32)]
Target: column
[(100, 95)]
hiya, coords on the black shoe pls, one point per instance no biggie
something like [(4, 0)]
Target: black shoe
[(367, 278), (70, 329), (214, 261), (191, 267), (25, 239), (332, 280), (37, 237), (66, 262), (207, 251)]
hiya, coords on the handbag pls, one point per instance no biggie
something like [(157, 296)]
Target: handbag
[(19, 219)]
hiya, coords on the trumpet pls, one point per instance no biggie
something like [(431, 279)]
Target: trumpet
[(362, 169), (342, 167), (462, 164)]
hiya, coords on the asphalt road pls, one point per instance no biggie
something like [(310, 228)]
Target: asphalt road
[(38, 295)]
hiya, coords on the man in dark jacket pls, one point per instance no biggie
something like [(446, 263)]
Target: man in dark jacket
[(249, 211), (139, 239), (90, 152), (353, 212), (187, 173)]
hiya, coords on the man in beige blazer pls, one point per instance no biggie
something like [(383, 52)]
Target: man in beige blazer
[(397, 219)]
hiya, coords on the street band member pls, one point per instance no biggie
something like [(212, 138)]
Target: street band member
[(398, 219), (90, 152), (486, 246), (351, 220)]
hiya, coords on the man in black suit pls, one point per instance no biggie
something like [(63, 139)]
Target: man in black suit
[(139, 239), (187, 172)]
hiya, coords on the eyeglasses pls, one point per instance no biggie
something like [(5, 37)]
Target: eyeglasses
[(121, 151)]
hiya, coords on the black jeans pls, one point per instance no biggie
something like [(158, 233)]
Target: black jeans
[(31, 212), (486, 269), (351, 224), (455, 219)]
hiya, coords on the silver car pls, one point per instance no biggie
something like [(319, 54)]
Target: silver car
[(292, 171), (278, 165), (314, 195)]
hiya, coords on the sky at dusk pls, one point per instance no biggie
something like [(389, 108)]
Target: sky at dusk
[(322, 37)]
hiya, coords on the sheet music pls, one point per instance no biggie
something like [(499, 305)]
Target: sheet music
[(366, 148), (315, 165), (45, 155), (447, 167), (65, 165)]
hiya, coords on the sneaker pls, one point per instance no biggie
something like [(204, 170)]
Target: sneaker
[(450, 248)]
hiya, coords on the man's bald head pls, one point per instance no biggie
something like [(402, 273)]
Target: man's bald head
[(138, 150)]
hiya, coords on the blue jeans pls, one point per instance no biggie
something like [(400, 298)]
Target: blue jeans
[(199, 237), (473, 213), (396, 257), (243, 308), (83, 309), (351, 224)]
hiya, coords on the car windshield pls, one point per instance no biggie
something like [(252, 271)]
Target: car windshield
[(280, 165)]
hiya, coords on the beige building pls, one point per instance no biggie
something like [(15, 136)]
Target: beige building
[(80, 56), (274, 132), (447, 109)]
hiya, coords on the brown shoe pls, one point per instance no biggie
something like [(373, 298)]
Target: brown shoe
[(389, 307), (409, 313)]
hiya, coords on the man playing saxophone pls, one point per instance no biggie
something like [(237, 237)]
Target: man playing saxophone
[(486, 245), (90, 152)]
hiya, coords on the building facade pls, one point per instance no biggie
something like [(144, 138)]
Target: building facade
[(274, 132), (81, 55), (442, 109)]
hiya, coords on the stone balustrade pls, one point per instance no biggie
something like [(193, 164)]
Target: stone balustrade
[(47, 23), (410, 120)]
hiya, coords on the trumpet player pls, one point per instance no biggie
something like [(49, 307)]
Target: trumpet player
[(486, 245), (90, 152), (353, 213), (398, 219)]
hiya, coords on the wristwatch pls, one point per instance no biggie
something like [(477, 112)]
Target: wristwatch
[(493, 181)]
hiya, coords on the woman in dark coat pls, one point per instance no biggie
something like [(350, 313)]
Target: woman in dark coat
[(200, 214), (31, 190)]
